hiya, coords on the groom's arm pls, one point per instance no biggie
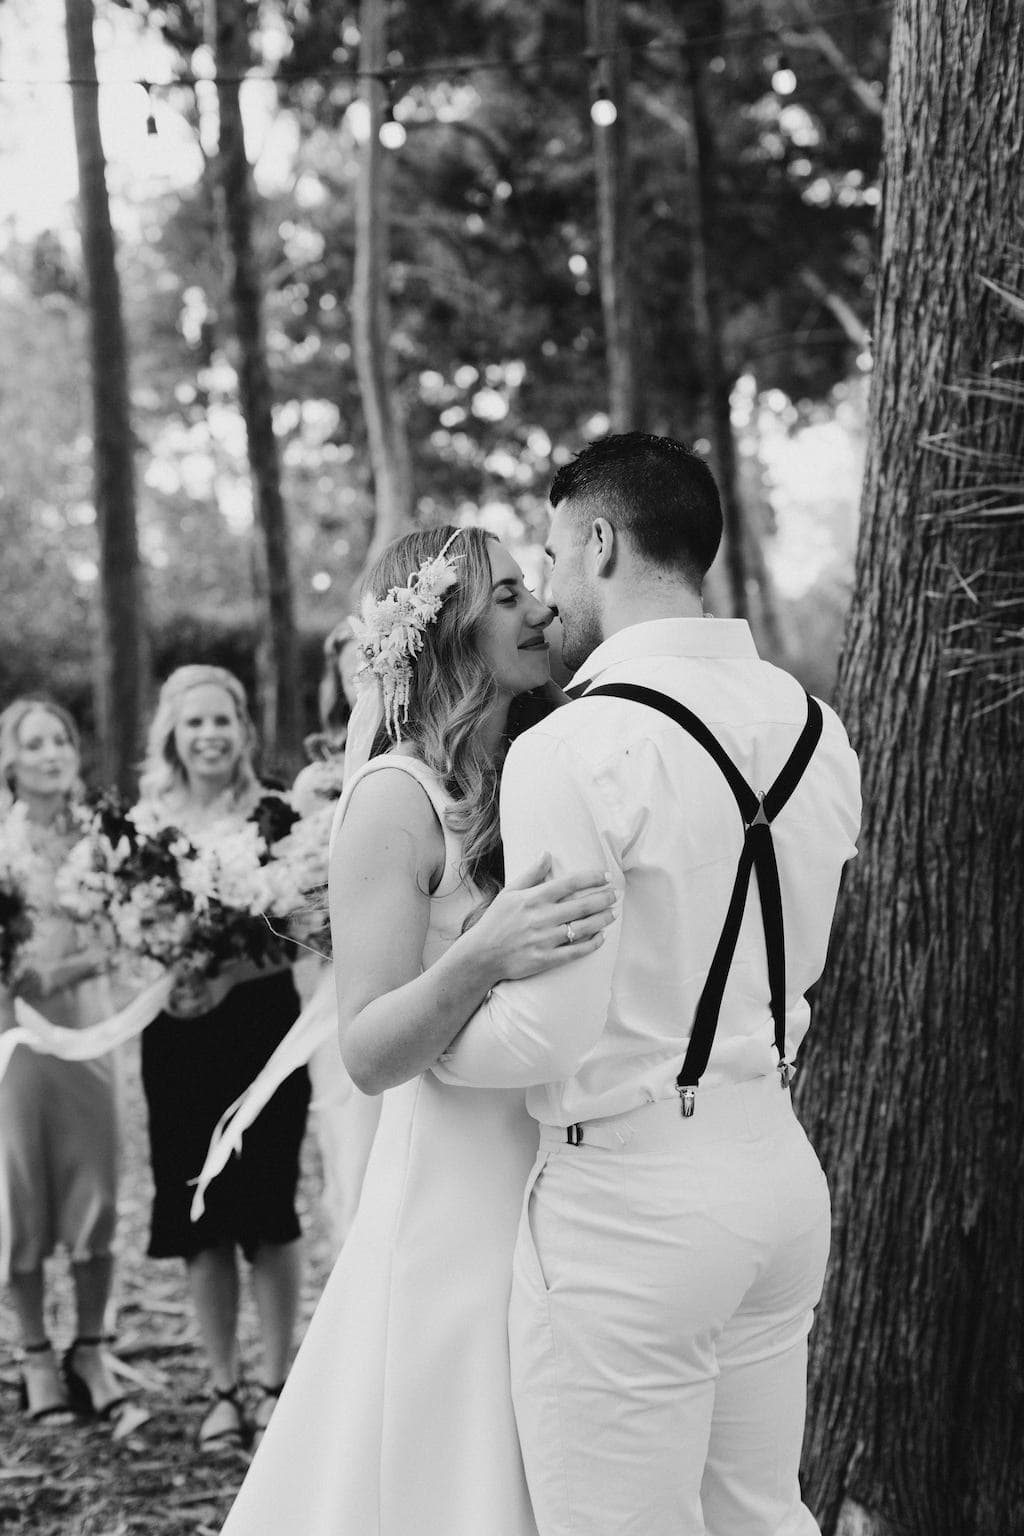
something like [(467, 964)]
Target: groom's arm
[(538, 1030)]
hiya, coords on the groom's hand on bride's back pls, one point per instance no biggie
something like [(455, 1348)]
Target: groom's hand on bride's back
[(537, 922)]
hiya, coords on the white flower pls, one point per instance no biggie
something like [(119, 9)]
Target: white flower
[(390, 632)]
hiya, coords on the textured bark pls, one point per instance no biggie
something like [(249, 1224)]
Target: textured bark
[(277, 651), (371, 307), (611, 167), (914, 1076), (122, 659)]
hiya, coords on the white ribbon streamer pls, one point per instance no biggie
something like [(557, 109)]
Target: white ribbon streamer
[(315, 1024), (38, 1034)]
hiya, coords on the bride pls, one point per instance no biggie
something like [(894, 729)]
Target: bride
[(396, 1418)]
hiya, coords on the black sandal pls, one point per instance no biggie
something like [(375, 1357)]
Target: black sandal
[(232, 1435), (56, 1413), (261, 1419), (79, 1390)]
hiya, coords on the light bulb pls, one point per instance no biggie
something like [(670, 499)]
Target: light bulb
[(783, 81), (392, 135), (603, 112)]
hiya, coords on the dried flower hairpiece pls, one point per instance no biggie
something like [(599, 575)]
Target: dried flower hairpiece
[(390, 633)]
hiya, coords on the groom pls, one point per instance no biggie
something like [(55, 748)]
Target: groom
[(676, 1227)]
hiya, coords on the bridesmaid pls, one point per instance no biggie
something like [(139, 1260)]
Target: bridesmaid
[(344, 1119), (59, 1120), (198, 1058)]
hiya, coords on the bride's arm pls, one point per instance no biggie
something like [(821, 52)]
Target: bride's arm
[(394, 1017)]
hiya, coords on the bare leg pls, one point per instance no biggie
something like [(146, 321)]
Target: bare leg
[(213, 1280), (44, 1394), (276, 1281), (88, 1360), (93, 1279), (26, 1292)]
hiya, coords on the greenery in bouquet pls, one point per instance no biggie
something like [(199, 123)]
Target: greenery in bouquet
[(15, 921)]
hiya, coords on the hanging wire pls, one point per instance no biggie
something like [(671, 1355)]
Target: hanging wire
[(466, 66)]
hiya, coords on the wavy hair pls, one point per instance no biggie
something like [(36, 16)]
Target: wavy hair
[(452, 688), (11, 722), (163, 773)]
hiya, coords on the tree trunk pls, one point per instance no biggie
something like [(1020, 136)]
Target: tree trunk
[(277, 655), (611, 165), (914, 1078), (122, 659), (708, 324), (371, 306)]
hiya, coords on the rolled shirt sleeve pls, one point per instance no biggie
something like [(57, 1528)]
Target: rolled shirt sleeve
[(538, 1030)]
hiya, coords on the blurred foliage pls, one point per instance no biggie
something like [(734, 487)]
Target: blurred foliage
[(497, 319)]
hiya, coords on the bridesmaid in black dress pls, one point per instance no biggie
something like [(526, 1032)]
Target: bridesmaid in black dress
[(199, 1056)]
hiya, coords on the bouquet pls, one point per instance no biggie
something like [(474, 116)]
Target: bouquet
[(194, 901)]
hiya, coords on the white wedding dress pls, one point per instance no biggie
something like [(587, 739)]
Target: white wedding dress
[(396, 1419)]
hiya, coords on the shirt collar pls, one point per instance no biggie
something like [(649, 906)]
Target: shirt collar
[(707, 638)]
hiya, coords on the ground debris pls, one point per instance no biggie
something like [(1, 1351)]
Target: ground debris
[(139, 1474)]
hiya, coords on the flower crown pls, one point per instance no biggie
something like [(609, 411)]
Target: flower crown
[(390, 633)]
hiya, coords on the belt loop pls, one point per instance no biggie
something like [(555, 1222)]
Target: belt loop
[(574, 1135)]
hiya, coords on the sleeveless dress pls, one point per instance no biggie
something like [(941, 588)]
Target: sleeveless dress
[(396, 1419), (60, 1121)]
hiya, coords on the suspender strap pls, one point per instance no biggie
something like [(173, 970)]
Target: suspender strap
[(757, 858)]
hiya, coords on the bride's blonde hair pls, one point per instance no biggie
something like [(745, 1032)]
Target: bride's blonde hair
[(451, 689)]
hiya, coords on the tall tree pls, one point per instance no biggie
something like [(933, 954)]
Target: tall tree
[(122, 663), (277, 653), (707, 286), (915, 1077), (371, 303), (612, 170)]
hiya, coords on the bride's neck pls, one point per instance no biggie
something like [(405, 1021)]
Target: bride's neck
[(493, 726)]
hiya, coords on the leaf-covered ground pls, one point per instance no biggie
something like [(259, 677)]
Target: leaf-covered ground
[(146, 1476)]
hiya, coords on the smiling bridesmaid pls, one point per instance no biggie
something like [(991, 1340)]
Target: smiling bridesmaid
[(59, 1120), (198, 1057)]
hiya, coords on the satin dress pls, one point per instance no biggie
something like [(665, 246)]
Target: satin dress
[(397, 1419)]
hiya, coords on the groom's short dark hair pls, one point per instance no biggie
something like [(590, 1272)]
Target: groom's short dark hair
[(655, 490)]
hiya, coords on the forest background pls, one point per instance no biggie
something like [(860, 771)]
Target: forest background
[(383, 264), (753, 141)]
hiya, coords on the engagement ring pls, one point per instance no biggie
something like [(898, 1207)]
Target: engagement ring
[(570, 936)]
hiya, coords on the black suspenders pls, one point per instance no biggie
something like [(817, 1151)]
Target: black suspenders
[(758, 858)]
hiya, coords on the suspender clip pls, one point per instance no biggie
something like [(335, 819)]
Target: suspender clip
[(574, 1135), (687, 1101), (787, 1072)]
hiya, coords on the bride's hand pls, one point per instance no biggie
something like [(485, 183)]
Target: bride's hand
[(536, 923)]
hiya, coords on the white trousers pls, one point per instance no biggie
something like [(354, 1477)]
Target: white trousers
[(663, 1291)]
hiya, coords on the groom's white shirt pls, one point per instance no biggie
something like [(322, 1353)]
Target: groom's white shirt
[(606, 783)]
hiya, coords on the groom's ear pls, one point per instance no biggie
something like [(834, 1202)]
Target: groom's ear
[(603, 546)]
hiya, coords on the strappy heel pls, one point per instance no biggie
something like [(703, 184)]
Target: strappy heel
[(264, 1409), (223, 1428), (80, 1393), (42, 1395)]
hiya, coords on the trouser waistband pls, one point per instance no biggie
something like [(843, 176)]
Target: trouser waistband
[(731, 1112)]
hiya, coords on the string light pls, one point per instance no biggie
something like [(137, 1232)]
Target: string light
[(461, 66), (391, 132), (783, 77), (151, 127), (603, 110)]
